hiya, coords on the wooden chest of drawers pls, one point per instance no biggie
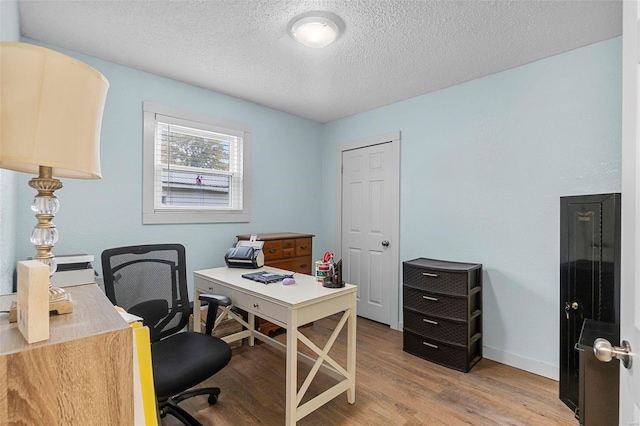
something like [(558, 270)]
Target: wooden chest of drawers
[(287, 250), (284, 250), (442, 308)]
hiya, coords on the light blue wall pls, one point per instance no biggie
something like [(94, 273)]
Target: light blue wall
[(9, 31), (483, 165), (9, 20), (98, 214)]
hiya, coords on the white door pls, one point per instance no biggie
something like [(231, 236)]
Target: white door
[(370, 189), (630, 282)]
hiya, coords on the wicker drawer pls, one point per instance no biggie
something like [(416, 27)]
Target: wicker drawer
[(439, 329), (436, 304), (443, 311), (459, 358), (437, 281)]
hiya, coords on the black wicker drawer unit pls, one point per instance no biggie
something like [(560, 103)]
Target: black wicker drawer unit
[(443, 311)]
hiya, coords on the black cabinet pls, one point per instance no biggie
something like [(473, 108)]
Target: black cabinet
[(589, 277), (442, 309), (598, 381)]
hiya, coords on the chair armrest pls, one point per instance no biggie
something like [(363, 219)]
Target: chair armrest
[(214, 298), (152, 313), (212, 311)]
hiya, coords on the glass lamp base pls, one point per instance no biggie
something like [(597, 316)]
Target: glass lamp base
[(44, 236)]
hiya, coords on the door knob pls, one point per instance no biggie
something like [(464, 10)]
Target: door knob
[(604, 351), (568, 307), (385, 243)]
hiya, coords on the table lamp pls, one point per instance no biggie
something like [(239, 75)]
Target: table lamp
[(51, 109)]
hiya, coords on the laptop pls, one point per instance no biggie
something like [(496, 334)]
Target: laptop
[(264, 277)]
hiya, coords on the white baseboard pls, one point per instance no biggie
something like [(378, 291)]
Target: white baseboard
[(522, 363)]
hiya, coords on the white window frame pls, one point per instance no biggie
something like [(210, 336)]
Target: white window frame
[(151, 215)]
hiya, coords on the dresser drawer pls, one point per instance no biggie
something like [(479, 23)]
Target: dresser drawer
[(303, 246), (436, 280), (436, 328), (288, 248), (459, 358), (272, 250), (301, 265), (438, 305)]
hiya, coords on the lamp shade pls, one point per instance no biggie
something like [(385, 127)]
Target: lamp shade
[(51, 109)]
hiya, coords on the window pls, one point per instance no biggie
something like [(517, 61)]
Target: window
[(196, 168)]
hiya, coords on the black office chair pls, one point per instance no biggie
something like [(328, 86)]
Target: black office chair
[(151, 281)]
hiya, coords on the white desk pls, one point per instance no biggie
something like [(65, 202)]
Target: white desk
[(290, 307)]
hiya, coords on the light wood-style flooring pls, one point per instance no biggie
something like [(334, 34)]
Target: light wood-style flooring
[(392, 388)]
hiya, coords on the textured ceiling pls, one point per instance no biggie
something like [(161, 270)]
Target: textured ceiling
[(389, 51)]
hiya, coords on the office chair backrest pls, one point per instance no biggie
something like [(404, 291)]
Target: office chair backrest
[(149, 281)]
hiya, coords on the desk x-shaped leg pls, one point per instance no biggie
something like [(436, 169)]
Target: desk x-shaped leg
[(346, 376), (295, 411)]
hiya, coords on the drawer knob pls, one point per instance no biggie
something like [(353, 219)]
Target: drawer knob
[(272, 250), (430, 321), (303, 247), (210, 288), (433, 299), (430, 274), (431, 345), (256, 305)]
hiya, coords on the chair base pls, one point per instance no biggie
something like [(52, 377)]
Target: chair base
[(170, 405)]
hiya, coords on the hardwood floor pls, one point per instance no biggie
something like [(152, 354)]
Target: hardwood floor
[(392, 388)]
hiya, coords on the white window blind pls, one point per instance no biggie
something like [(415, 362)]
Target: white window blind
[(197, 166)]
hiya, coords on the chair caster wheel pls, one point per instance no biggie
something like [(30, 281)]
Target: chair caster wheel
[(212, 399)]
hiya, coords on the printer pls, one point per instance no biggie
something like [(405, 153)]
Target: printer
[(246, 254), (73, 269)]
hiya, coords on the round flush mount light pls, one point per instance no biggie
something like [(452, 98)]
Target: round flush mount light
[(316, 29)]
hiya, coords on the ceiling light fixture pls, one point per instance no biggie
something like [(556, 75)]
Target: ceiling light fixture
[(316, 29)]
